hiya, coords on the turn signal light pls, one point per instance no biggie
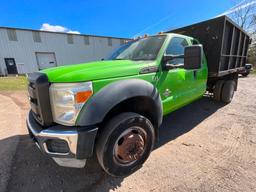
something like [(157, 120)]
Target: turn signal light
[(83, 96)]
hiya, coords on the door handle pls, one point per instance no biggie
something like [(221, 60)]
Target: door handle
[(195, 74)]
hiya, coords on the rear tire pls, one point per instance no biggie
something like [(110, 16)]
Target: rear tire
[(125, 143), (217, 90), (228, 91)]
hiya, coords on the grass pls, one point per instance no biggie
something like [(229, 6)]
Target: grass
[(253, 72), (13, 83)]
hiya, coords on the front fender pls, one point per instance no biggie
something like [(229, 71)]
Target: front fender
[(109, 96)]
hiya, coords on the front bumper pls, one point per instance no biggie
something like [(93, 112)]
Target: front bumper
[(68, 146)]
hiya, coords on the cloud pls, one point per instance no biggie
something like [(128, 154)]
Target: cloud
[(57, 28), (74, 32), (240, 6)]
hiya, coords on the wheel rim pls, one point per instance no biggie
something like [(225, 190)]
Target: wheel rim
[(130, 146)]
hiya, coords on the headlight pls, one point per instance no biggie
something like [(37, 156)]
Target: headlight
[(67, 99)]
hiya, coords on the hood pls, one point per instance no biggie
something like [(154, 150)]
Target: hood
[(94, 71)]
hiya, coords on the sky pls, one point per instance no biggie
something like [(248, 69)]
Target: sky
[(109, 18)]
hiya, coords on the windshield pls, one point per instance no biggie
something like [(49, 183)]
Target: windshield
[(119, 50), (143, 49)]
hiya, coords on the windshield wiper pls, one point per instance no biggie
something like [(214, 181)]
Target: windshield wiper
[(142, 59)]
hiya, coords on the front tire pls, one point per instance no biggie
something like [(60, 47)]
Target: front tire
[(125, 144)]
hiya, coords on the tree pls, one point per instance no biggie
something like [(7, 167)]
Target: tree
[(252, 49), (244, 13)]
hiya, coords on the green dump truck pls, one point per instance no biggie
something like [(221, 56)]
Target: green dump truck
[(114, 108)]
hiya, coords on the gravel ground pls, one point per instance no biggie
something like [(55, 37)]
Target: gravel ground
[(205, 146)]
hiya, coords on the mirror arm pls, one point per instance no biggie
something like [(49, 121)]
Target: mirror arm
[(170, 57), (178, 56), (180, 65), (172, 66)]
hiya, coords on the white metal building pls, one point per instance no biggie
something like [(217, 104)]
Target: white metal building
[(25, 51)]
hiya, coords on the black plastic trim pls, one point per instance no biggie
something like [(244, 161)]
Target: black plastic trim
[(86, 142), (38, 89), (86, 136)]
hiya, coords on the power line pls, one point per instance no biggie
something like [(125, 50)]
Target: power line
[(242, 5), (153, 25)]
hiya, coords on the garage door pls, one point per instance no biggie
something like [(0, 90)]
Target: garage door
[(46, 60)]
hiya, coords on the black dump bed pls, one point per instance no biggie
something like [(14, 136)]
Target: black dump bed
[(225, 44)]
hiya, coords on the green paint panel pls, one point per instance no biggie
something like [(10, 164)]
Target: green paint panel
[(93, 71)]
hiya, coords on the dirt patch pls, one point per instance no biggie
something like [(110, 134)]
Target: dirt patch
[(11, 119), (205, 146)]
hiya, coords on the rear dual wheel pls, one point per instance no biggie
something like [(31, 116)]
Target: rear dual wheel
[(217, 90), (228, 91), (224, 90), (125, 144)]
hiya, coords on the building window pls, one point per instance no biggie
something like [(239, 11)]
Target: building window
[(36, 36), (70, 39), (12, 34), (86, 40), (122, 41), (110, 42)]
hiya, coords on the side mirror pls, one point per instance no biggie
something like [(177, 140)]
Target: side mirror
[(193, 57)]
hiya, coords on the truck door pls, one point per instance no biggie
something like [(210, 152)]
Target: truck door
[(199, 80), (175, 85)]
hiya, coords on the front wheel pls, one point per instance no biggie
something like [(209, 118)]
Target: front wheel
[(125, 144)]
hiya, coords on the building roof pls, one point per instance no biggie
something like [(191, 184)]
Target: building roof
[(22, 29)]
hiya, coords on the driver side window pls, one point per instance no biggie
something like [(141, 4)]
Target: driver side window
[(176, 47)]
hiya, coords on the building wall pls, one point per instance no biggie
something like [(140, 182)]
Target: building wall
[(24, 49)]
